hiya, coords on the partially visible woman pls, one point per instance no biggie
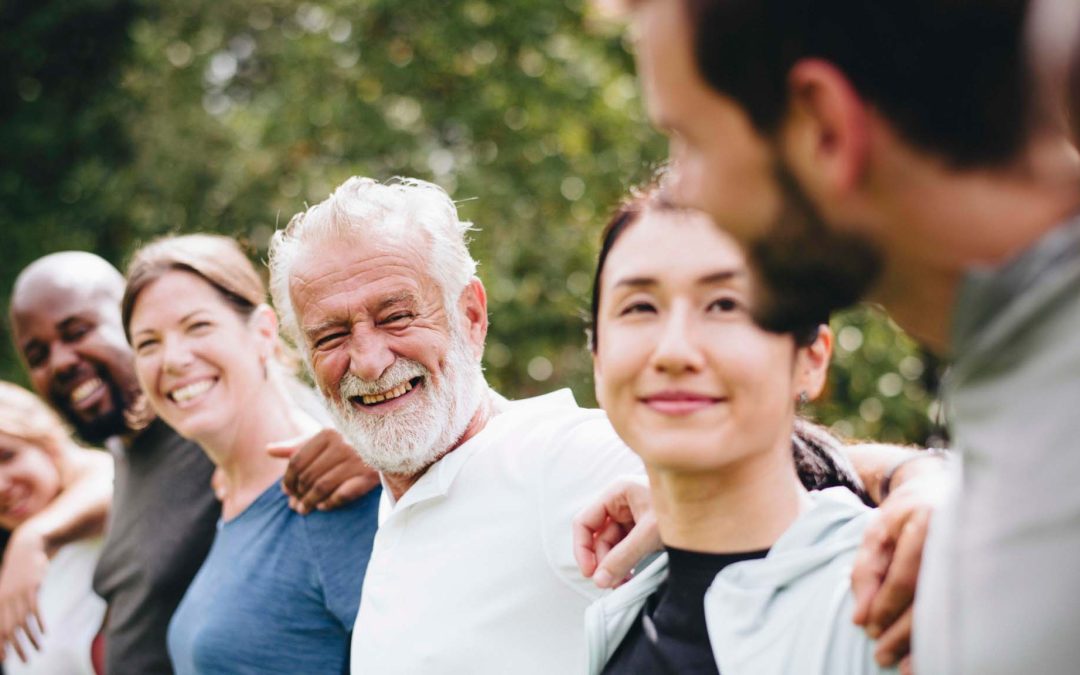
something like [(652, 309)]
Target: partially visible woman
[(37, 456), (279, 591), (756, 573)]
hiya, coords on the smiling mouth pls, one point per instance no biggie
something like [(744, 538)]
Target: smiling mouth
[(191, 391), (85, 390), (679, 404), (369, 400)]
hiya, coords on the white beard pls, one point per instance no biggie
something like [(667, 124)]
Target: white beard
[(407, 441)]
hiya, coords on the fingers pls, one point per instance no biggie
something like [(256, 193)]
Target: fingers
[(869, 569), (321, 487), (349, 491), (895, 642), (325, 473), (584, 526), (12, 613), (583, 552), (300, 452), (906, 668), (640, 541), (612, 534), (898, 589)]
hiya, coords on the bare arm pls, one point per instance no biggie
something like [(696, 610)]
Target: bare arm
[(80, 510), (874, 461)]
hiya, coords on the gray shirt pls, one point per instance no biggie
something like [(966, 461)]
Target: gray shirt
[(162, 523), (1000, 591)]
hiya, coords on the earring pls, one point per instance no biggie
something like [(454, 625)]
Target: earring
[(803, 399)]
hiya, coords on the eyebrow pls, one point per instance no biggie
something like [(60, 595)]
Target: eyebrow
[(396, 298), (707, 280), (388, 301), (76, 318)]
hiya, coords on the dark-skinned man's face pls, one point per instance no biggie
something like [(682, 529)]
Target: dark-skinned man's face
[(74, 347)]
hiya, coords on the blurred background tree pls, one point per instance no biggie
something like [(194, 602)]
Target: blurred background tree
[(127, 119)]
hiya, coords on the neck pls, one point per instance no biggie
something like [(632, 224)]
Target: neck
[(399, 484), (239, 451), (743, 507), (939, 223)]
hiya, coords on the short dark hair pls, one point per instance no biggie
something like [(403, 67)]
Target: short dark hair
[(950, 75)]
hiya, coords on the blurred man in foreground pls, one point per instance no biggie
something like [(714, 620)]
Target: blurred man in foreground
[(893, 150)]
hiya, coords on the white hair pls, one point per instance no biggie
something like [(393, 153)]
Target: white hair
[(363, 207)]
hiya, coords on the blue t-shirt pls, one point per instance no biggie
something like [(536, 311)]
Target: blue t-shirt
[(278, 592)]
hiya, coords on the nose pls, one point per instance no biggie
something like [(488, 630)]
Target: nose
[(676, 349), (369, 354), (175, 355), (63, 360)]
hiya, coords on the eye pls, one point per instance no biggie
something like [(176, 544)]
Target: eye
[(724, 305), (75, 332), (329, 341), (397, 318), (639, 307), (199, 327), (6, 456), (144, 345), (35, 356)]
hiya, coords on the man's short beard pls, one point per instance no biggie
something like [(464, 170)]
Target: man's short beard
[(113, 423), (406, 442), (806, 269)]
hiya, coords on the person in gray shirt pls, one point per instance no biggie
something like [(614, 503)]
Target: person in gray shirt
[(897, 151)]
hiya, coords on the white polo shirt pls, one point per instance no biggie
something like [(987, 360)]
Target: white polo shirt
[(472, 569)]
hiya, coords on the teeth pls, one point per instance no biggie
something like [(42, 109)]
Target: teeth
[(400, 390), (188, 392), (81, 392)]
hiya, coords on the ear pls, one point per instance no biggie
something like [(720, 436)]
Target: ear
[(472, 306), (825, 135), (263, 321), (598, 379), (812, 364)]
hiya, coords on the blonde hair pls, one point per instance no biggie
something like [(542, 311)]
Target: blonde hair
[(26, 417)]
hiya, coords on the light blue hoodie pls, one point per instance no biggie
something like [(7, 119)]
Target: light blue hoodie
[(789, 612)]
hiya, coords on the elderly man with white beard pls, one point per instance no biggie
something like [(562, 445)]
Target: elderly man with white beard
[(472, 569)]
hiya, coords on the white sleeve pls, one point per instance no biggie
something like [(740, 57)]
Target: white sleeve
[(582, 461)]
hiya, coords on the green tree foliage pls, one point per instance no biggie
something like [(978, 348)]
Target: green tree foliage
[(123, 121)]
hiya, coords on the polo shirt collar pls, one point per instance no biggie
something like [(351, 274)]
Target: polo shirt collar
[(440, 476)]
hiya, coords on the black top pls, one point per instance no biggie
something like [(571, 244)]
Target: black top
[(163, 520), (669, 636)]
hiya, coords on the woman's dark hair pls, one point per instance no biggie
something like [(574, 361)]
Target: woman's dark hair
[(819, 457), (950, 76), (820, 460), (628, 213)]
